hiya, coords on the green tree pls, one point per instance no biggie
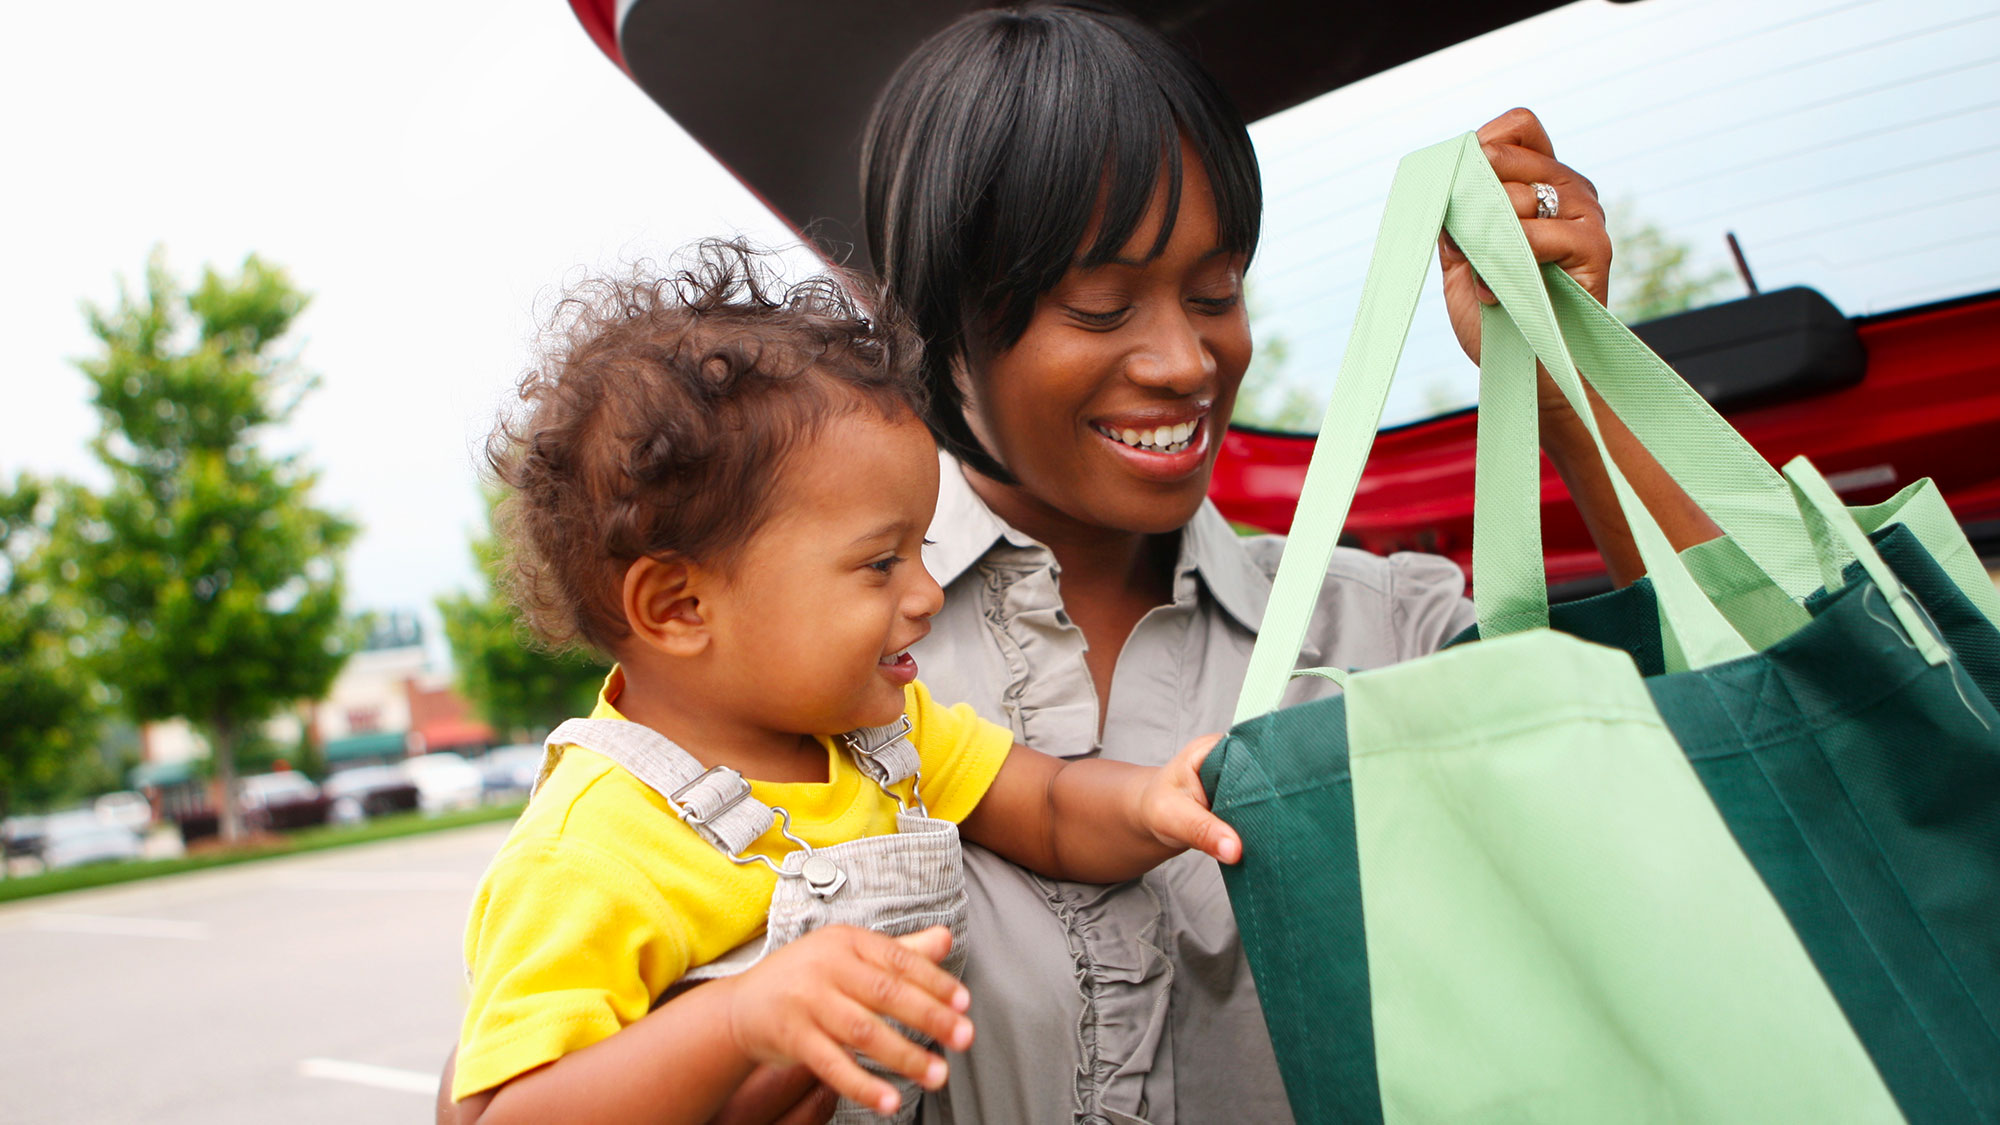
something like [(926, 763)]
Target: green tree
[(516, 683), (216, 580), (1650, 274), (48, 714), (1269, 398)]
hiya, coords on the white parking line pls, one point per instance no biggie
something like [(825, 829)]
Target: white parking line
[(120, 925), (366, 1074)]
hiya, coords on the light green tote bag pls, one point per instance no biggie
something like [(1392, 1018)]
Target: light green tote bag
[(1559, 926)]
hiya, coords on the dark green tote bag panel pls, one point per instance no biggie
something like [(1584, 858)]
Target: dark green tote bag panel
[(1300, 912), (1836, 735), (1852, 757)]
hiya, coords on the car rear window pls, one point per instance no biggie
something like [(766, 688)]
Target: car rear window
[(1851, 147)]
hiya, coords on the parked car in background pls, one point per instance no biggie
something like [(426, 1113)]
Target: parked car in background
[(281, 801), (355, 795), (21, 836), (125, 809), (444, 781), (74, 839), (508, 772)]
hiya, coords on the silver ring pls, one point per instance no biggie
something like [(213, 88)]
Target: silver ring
[(1545, 200)]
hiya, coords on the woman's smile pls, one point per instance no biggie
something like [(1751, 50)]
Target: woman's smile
[(1157, 450)]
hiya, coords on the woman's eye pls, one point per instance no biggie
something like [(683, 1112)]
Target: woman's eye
[(1216, 306), (1097, 319)]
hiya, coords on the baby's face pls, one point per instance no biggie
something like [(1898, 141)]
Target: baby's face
[(823, 603)]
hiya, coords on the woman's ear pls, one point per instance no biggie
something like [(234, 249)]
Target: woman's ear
[(663, 605)]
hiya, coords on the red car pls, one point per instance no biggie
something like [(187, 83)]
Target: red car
[(1848, 147)]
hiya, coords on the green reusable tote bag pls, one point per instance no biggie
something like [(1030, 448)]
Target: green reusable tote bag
[(1489, 883), (1855, 759)]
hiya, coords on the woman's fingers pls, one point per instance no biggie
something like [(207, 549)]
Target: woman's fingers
[(1520, 127), (793, 1091), (815, 1108), (1582, 250)]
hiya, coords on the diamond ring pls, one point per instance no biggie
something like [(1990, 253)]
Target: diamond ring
[(1545, 201)]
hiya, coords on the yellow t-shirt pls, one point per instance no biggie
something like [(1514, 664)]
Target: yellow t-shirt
[(601, 897)]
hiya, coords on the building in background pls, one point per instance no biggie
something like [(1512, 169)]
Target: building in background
[(389, 702)]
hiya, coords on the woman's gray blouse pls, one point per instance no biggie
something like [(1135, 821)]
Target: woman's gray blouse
[(1131, 1003)]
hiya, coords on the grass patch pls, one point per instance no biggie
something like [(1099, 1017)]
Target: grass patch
[(296, 843)]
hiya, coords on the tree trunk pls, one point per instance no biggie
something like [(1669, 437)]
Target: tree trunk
[(229, 810)]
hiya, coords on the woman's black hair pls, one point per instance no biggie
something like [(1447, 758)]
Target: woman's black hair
[(993, 148)]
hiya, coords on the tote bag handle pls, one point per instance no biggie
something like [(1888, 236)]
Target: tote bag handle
[(1450, 186)]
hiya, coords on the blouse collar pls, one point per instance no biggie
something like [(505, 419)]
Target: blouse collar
[(965, 530)]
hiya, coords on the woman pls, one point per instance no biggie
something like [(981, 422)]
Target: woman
[(1066, 203)]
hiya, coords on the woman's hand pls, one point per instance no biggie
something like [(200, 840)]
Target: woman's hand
[(1521, 155), (1173, 806), (821, 998), (1575, 239)]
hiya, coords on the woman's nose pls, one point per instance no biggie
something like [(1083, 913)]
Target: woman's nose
[(1174, 357)]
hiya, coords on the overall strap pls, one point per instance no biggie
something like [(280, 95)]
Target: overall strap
[(886, 756), (715, 802)]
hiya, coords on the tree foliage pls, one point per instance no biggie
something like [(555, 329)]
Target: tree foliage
[(1268, 398), (1651, 276), (48, 714), (514, 681), (216, 580)]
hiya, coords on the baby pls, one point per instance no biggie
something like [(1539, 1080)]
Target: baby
[(727, 493)]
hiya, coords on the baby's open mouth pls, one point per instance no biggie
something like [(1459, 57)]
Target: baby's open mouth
[(900, 667)]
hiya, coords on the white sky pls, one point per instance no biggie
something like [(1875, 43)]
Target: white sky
[(429, 170)]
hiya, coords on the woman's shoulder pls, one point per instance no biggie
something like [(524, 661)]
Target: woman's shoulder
[(1404, 574), (1376, 609)]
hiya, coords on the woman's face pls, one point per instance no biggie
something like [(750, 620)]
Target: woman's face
[(1109, 409)]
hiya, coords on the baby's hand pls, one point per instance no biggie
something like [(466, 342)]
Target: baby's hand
[(822, 997), (1174, 807)]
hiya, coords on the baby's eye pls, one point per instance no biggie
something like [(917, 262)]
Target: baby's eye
[(886, 565)]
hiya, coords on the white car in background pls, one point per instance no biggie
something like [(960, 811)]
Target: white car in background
[(444, 782), (125, 809), (74, 839)]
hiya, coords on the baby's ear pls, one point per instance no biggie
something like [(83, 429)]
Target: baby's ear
[(662, 603)]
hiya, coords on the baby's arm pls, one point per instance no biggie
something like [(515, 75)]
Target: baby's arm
[(1096, 821), (813, 1002)]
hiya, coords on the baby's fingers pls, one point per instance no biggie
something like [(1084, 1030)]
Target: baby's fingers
[(914, 958), (835, 1067), (861, 1030), (906, 1001), (1185, 821)]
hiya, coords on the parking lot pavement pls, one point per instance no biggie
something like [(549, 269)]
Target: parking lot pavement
[(317, 988)]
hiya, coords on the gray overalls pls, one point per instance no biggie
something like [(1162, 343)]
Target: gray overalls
[(894, 885)]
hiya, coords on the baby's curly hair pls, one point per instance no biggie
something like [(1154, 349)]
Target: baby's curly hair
[(659, 416)]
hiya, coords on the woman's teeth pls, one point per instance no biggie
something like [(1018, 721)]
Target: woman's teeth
[(1159, 439)]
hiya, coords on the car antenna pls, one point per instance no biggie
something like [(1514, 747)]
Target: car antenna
[(1742, 266)]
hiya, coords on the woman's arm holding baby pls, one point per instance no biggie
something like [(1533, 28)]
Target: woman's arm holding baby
[(814, 1002), (1097, 821)]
